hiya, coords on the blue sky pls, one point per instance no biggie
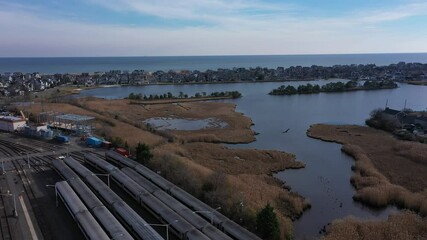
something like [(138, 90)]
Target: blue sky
[(210, 27)]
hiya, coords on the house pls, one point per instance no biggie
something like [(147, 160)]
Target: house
[(10, 123), (390, 111)]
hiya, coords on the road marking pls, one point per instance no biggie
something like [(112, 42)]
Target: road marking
[(27, 218)]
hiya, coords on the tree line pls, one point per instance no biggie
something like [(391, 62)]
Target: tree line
[(181, 95), (332, 87)]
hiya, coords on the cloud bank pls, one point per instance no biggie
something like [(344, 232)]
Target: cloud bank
[(219, 27)]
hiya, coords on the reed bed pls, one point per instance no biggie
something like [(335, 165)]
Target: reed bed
[(387, 171), (402, 226)]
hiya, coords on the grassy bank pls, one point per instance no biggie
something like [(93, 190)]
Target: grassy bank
[(402, 226), (387, 170)]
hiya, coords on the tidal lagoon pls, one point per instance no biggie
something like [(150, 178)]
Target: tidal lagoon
[(326, 179)]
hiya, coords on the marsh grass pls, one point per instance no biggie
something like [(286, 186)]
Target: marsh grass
[(402, 226), (239, 192), (387, 171), (375, 190)]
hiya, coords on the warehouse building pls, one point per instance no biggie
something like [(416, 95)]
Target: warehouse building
[(10, 123)]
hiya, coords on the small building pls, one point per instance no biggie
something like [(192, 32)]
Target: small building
[(10, 123)]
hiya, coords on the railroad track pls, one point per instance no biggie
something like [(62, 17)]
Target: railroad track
[(26, 182), (4, 219), (10, 149), (6, 232), (40, 161)]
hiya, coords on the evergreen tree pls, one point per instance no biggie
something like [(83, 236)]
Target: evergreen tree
[(267, 224), (143, 153)]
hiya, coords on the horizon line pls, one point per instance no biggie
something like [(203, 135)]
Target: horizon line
[(221, 55)]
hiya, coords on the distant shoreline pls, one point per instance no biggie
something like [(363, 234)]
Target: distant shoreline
[(52, 65)]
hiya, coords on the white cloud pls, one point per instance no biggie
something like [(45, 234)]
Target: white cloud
[(396, 13), (27, 34), (216, 12)]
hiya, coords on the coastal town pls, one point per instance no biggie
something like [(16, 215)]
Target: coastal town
[(18, 83)]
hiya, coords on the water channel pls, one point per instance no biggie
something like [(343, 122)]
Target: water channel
[(326, 179)]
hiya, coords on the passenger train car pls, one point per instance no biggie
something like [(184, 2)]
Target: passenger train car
[(138, 226), (86, 222), (220, 221), (111, 225), (198, 222), (179, 225)]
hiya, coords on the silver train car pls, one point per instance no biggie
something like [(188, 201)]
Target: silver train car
[(220, 221), (189, 215), (178, 224), (111, 225), (86, 222), (137, 225)]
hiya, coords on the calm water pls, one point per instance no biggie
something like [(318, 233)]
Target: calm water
[(326, 178), (93, 64), (185, 124)]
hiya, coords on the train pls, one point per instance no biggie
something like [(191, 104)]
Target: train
[(137, 225), (198, 222), (107, 220), (86, 222), (220, 221), (178, 224)]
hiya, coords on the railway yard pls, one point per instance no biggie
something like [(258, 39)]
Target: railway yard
[(51, 191)]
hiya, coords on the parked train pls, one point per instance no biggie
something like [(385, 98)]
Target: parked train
[(107, 220), (124, 213), (189, 215), (178, 224), (220, 221), (86, 222)]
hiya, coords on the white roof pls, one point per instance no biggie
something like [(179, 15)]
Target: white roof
[(11, 119)]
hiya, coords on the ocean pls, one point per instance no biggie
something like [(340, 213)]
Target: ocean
[(202, 63)]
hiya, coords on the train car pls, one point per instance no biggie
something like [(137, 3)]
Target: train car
[(87, 196), (233, 229), (99, 163), (129, 185), (134, 221), (62, 169), (145, 183), (214, 233), (182, 210), (86, 222), (195, 204), (164, 214), (124, 213), (119, 159), (229, 227), (108, 196), (191, 216), (122, 161), (111, 225), (77, 167), (178, 224), (154, 177)]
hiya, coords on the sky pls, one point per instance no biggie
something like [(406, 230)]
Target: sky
[(57, 28)]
